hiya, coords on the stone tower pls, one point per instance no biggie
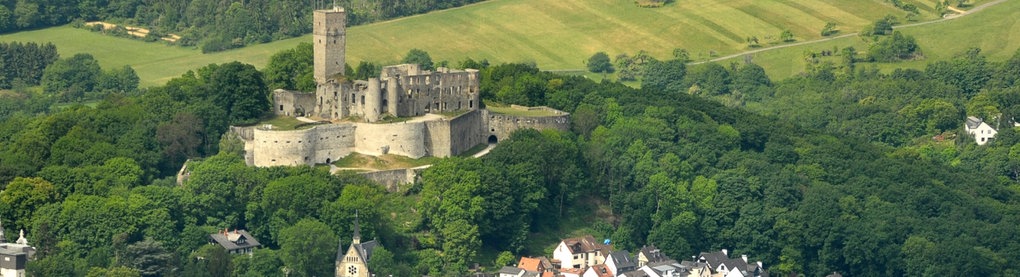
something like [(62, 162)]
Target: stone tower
[(330, 35)]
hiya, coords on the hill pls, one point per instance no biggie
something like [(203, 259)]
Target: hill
[(554, 34), (561, 35)]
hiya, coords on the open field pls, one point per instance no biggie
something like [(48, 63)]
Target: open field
[(563, 34), (996, 30), (553, 34)]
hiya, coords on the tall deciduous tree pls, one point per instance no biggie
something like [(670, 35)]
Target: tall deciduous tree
[(419, 57), (600, 63), (240, 90), (308, 248)]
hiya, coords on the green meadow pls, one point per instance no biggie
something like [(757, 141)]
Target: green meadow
[(562, 34), (996, 30)]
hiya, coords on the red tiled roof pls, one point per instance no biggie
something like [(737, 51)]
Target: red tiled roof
[(602, 270), (531, 264)]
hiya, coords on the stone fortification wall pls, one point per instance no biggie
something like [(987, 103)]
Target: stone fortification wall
[(246, 133), (392, 179), (292, 103), (454, 136), (402, 138), (502, 125), (318, 144)]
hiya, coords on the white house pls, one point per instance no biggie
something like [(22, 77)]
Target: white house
[(981, 131), (581, 252)]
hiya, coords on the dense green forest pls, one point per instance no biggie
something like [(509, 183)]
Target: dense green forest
[(834, 170), (214, 24)]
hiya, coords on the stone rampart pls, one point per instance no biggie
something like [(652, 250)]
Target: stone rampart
[(402, 138), (318, 144), (500, 126)]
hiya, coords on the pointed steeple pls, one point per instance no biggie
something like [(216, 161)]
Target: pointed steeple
[(340, 253), (357, 229), (21, 238)]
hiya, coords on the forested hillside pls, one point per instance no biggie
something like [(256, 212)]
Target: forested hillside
[(812, 186), (214, 24)]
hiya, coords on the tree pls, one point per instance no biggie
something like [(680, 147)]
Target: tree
[(240, 90), (308, 248), (382, 262), (72, 78), (291, 69), (23, 196), (666, 76), (149, 257), (419, 57), (829, 29), (599, 63), (895, 48), (786, 36), (682, 55)]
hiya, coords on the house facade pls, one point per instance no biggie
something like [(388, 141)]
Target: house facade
[(236, 241), (581, 252), (982, 132)]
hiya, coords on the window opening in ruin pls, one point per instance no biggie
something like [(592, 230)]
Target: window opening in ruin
[(384, 102), (352, 98), (328, 161), (281, 107), (493, 140), (471, 103), (362, 99)]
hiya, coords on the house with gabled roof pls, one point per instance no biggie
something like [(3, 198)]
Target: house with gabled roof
[(621, 261), (982, 132), (650, 254), (599, 270), (236, 241), (581, 252), (540, 264), (722, 265)]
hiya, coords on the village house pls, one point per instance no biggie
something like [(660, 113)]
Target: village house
[(581, 252), (235, 242), (982, 132)]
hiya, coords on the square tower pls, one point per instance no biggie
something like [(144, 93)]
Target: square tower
[(330, 35)]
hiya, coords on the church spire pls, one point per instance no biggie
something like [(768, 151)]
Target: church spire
[(357, 229)]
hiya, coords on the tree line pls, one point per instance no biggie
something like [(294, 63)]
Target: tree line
[(215, 25), (672, 164)]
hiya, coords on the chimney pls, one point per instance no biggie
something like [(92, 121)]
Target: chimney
[(760, 266), (235, 232), (726, 253), (743, 257)]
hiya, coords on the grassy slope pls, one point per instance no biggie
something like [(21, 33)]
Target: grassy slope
[(562, 34), (554, 34), (995, 30)]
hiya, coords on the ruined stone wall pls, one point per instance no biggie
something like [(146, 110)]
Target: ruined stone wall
[(292, 103), (318, 144), (454, 136), (402, 138), (392, 179), (419, 92), (502, 125)]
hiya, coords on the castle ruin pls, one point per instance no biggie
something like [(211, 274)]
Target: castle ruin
[(406, 111)]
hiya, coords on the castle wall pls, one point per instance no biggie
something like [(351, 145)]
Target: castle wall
[(292, 103), (454, 136), (392, 179), (319, 144), (502, 125), (403, 138)]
